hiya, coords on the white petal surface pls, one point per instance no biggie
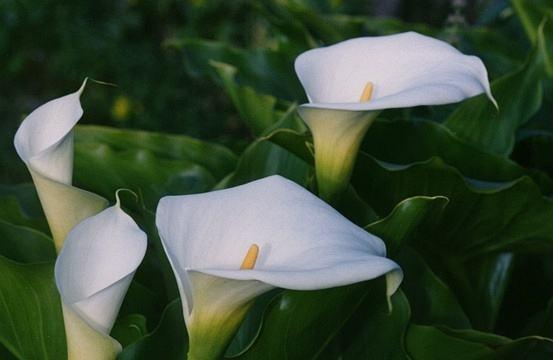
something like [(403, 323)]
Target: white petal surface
[(97, 263), (407, 69), (304, 243), (44, 140)]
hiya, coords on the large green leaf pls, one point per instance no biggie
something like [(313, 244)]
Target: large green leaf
[(19, 204), (519, 96), (427, 342), (139, 170), (469, 235), (168, 341), (298, 324), (267, 70), (32, 323), (12, 212), (216, 159), (432, 301), (400, 226), (263, 158), (256, 110), (533, 149), (532, 15), (405, 142), (25, 245), (469, 225), (375, 331)]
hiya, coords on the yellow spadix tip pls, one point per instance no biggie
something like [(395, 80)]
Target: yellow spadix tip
[(250, 258), (367, 92)]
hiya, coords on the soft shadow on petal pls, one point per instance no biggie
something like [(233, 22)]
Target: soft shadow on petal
[(97, 262), (94, 270)]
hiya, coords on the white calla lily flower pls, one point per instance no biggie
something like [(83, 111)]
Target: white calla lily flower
[(93, 272), (349, 83), (226, 247), (44, 141)]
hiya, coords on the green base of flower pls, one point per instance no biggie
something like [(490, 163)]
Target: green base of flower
[(337, 135)]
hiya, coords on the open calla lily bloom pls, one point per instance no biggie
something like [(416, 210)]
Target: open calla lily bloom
[(93, 272), (44, 141), (349, 83), (227, 247)]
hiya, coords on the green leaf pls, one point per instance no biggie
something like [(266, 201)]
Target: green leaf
[(519, 96), (27, 211), (129, 329), (467, 252), (25, 245), (406, 142), (398, 227), (12, 212), (427, 342), (431, 300), (374, 332), (469, 225), (251, 326), (298, 324), (168, 341), (533, 149), (268, 71), (256, 110), (263, 158), (32, 322), (532, 15), (142, 300), (216, 159), (139, 170), (542, 323)]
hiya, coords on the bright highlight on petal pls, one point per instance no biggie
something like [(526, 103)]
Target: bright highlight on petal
[(251, 258), (367, 92), (305, 243)]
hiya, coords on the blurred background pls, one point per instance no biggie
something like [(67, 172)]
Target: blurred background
[(150, 49)]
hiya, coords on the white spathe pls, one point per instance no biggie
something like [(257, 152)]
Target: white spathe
[(304, 244), (95, 267), (406, 69), (348, 84), (44, 141)]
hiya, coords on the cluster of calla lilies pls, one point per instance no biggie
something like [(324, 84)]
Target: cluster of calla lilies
[(229, 246)]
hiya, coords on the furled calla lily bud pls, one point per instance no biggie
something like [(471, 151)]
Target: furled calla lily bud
[(227, 247), (44, 141), (349, 83), (93, 272)]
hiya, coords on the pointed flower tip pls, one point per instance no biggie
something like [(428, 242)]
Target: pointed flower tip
[(492, 99), (117, 198), (81, 89)]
